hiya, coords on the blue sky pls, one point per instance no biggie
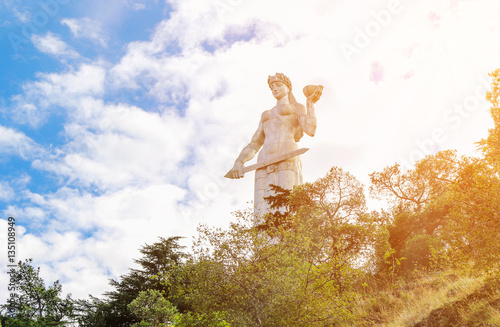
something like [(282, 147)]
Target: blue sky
[(119, 119)]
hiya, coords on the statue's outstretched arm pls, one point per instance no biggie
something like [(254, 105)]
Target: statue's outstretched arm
[(247, 153)]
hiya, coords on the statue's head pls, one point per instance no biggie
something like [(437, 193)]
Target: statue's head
[(280, 85), (279, 77)]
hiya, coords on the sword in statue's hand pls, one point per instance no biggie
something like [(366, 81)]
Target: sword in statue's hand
[(234, 174)]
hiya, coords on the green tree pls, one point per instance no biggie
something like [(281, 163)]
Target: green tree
[(36, 304), (417, 207), (300, 273), (194, 319), (446, 205), (153, 309), (158, 259), (473, 216), (411, 190), (92, 312)]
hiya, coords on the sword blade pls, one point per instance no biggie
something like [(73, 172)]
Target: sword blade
[(279, 158)]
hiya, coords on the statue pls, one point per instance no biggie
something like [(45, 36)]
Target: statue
[(280, 128)]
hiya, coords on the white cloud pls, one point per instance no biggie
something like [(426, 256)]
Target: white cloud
[(6, 192), (94, 235), (86, 28), (117, 145), (53, 92), (13, 142), (137, 5), (52, 44)]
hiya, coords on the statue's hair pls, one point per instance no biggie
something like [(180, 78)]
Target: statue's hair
[(282, 78)]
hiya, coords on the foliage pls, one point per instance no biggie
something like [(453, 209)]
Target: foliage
[(152, 308), (36, 304), (157, 260), (473, 218), (418, 252), (93, 312), (409, 191), (445, 202), (491, 145), (193, 319), (155, 310), (299, 273)]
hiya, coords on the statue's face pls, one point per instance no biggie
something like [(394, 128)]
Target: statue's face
[(279, 89)]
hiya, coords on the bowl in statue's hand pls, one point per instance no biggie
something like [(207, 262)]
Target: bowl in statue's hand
[(309, 90)]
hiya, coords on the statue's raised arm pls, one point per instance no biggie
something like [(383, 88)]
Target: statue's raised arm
[(280, 128), (307, 116)]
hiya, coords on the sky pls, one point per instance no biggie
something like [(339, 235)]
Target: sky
[(119, 118)]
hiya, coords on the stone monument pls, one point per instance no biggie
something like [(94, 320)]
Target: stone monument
[(280, 128)]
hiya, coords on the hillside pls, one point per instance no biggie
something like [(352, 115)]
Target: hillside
[(478, 308), (445, 299)]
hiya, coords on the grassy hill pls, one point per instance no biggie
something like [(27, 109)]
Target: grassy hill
[(442, 299)]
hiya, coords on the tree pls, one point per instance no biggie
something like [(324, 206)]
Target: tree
[(473, 218), (194, 319), (36, 304), (417, 187), (446, 204), (93, 312), (157, 259), (153, 309), (418, 210), (300, 273)]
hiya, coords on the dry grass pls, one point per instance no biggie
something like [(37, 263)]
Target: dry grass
[(409, 303), (494, 316), (430, 295)]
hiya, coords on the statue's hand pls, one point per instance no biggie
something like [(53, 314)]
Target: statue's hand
[(236, 171), (316, 95)]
